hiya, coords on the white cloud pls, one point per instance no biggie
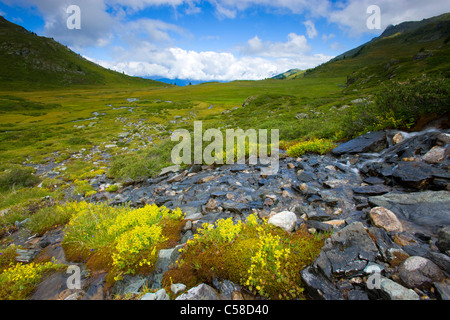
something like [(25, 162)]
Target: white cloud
[(256, 60), (310, 29), (295, 46)]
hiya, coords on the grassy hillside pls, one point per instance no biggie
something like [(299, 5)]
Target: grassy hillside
[(28, 61)]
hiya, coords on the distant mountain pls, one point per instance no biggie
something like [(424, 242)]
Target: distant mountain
[(30, 61), (403, 51)]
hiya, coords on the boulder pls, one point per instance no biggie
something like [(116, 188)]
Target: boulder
[(386, 219), (369, 142), (419, 272), (285, 220)]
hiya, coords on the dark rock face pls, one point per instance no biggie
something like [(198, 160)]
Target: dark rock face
[(346, 253), (370, 142)]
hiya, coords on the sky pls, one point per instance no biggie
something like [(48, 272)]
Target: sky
[(213, 40)]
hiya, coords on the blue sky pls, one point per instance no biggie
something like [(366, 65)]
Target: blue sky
[(213, 39)]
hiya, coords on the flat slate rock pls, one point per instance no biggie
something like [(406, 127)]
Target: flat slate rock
[(369, 142)]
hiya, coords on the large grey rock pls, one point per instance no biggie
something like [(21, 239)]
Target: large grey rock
[(200, 292), (419, 272), (369, 142), (346, 253), (425, 212), (415, 174)]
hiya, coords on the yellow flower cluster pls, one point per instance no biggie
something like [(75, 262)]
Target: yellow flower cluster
[(19, 280), (267, 261), (129, 235)]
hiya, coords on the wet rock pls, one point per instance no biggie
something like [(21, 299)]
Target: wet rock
[(419, 272), (200, 292), (317, 214), (435, 155), (386, 219), (370, 142), (346, 253), (285, 220), (417, 175), (372, 190), (318, 287), (424, 212)]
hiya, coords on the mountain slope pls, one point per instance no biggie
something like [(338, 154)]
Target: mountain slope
[(400, 52), (28, 61)]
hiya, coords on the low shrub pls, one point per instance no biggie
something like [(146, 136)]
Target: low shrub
[(18, 177), (320, 146)]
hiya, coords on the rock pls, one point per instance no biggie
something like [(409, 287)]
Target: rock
[(435, 155), (443, 139), (427, 210), (162, 295), (443, 242), (397, 138), (443, 289), (177, 288), (158, 295), (51, 287), (413, 174), (200, 292), (177, 177), (174, 168), (369, 142), (419, 272), (394, 291), (285, 220), (318, 287), (306, 176), (95, 291), (346, 253), (386, 219), (372, 190)]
